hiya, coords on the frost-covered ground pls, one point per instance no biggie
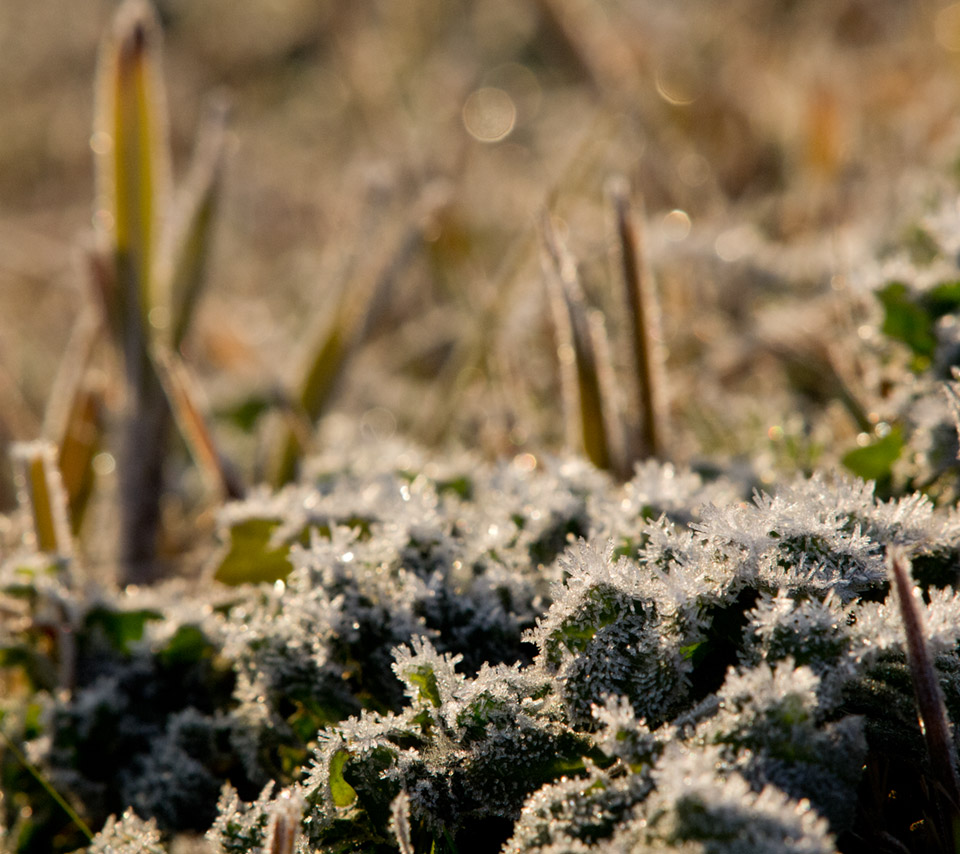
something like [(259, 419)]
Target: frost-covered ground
[(419, 648)]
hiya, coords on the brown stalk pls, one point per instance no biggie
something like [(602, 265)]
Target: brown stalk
[(133, 179), (644, 319), (591, 417), (190, 413), (926, 686)]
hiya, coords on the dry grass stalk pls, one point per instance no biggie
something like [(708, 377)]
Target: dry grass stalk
[(926, 686), (42, 496), (590, 414), (283, 825), (643, 315), (181, 267), (190, 412), (133, 179)]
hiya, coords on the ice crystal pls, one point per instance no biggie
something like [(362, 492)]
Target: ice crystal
[(427, 676), (692, 803), (603, 635), (622, 735), (809, 631), (807, 538), (240, 827), (577, 812), (128, 835), (768, 722)]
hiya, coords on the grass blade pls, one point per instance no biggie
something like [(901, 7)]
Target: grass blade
[(34, 772), (74, 418), (926, 686), (644, 325), (41, 494), (191, 417), (591, 415), (182, 267), (322, 371), (79, 442), (133, 180), (132, 153), (360, 307)]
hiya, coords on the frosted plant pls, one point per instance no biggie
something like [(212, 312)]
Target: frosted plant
[(809, 631), (427, 676), (464, 751), (805, 538), (240, 827), (769, 720), (127, 835), (693, 803), (656, 490), (877, 627), (602, 635), (578, 813), (623, 736), (517, 656)]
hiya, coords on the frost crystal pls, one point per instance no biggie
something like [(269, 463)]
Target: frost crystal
[(128, 835), (693, 804)]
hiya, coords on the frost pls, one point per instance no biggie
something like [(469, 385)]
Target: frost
[(603, 635), (128, 835), (544, 656), (571, 814), (692, 803), (240, 827), (622, 735), (767, 722), (807, 538), (810, 631), (427, 676)]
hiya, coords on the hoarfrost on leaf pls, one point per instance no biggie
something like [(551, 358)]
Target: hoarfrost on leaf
[(128, 835)]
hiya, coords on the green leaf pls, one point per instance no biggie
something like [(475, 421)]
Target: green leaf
[(187, 646), (121, 628), (943, 298), (906, 320), (250, 559), (245, 413), (133, 157), (341, 791), (184, 265), (921, 246), (426, 681), (874, 461)]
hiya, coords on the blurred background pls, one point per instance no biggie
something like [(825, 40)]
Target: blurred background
[(778, 146)]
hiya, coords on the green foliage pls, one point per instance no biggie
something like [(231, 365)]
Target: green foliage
[(251, 556), (875, 460), (911, 317)]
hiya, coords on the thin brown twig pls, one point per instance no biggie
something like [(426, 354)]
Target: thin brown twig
[(926, 686)]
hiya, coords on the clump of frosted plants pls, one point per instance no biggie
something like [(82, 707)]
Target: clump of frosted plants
[(489, 657)]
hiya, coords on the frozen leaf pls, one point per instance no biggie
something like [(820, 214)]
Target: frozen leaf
[(128, 835)]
